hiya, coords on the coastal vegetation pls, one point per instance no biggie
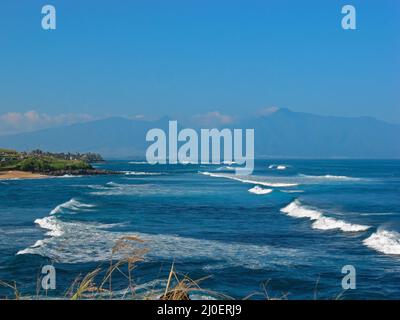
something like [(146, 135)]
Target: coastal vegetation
[(48, 163)]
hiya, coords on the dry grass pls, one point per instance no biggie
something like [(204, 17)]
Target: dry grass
[(13, 287), (177, 287), (125, 255)]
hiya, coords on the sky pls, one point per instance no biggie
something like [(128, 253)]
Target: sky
[(196, 58)]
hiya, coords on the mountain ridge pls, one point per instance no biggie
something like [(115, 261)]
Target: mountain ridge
[(282, 133)]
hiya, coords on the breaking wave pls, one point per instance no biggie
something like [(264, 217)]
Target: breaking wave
[(387, 242), (72, 204), (68, 176), (51, 224), (297, 210), (277, 166), (143, 189), (78, 242), (229, 162), (259, 190), (247, 180), (141, 173), (331, 177), (325, 223)]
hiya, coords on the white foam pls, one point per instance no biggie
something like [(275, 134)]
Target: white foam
[(97, 187), (71, 205), (325, 223), (86, 242), (113, 184), (387, 242), (51, 224), (246, 180), (138, 162), (31, 249), (277, 166), (229, 162), (38, 243), (259, 190), (141, 173), (377, 214), (331, 177), (297, 210), (68, 176), (119, 189)]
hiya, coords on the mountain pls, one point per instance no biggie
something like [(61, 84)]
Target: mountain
[(112, 137), (285, 133), (279, 133)]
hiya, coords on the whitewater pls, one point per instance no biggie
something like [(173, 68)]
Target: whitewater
[(292, 226)]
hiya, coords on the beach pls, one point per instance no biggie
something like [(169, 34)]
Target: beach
[(14, 174)]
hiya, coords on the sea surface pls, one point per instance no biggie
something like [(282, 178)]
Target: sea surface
[(284, 232)]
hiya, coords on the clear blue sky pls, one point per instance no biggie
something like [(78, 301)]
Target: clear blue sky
[(181, 58)]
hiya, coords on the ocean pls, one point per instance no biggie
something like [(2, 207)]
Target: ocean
[(284, 232)]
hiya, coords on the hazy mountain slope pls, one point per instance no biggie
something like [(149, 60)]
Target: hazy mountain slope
[(280, 134), (293, 134), (111, 137)]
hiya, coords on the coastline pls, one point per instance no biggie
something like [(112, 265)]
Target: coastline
[(15, 174)]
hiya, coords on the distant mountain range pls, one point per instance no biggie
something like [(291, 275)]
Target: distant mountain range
[(281, 133)]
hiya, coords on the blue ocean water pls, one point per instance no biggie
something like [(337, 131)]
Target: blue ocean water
[(292, 225)]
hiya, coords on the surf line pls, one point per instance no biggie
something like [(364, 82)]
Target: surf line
[(231, 141)]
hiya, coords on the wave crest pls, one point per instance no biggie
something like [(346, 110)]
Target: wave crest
[(141, 173), (51, 224), (325, 223), (331, 177), (88, 242), (259, 190), (247, 180), (297, 210), (72, 204), (387, 242), (277, 166)]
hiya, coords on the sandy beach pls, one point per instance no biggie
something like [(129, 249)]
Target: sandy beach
[(6, 175)]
